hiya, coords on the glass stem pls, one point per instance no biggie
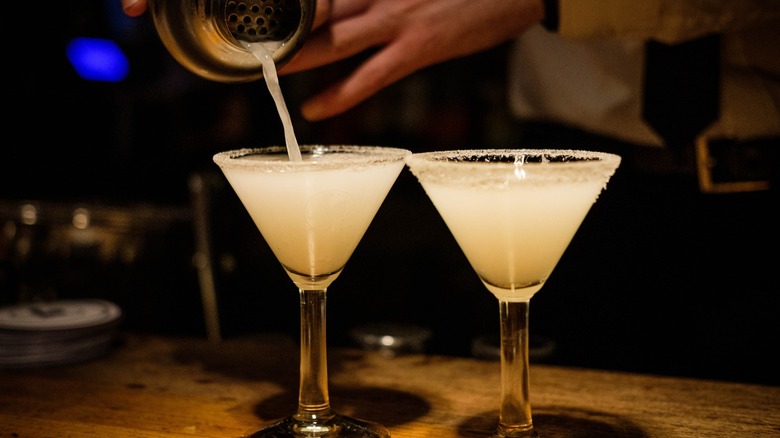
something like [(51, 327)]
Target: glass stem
[(313, 402), (515, 413)]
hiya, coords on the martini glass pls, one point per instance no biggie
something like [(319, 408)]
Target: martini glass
[(313, 213), (513, 213)]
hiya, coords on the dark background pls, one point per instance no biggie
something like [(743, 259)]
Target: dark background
[(660, 278)]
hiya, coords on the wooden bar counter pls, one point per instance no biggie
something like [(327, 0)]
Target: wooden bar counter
[(151, 386)]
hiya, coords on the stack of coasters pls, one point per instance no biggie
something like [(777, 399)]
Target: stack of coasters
[(56, 332)]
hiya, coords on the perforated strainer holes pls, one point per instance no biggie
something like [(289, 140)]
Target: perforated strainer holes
[(262, 20)]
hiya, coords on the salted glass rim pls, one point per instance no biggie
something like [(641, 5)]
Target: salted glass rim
[(357, 155), (459, 165)]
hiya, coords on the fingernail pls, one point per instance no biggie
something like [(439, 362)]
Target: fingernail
[(132, 8)]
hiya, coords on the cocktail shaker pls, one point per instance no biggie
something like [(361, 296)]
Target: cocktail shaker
[(208, 37)]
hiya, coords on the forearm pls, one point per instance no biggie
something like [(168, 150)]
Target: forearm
[(665, 20)]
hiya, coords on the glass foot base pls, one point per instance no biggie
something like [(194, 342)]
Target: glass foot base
[(338, 426), (524, 434)]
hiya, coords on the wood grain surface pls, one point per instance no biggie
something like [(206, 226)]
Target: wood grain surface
[(152, 387)]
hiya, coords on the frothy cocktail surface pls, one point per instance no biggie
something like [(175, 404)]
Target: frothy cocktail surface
[(513, 218), (314, 212)]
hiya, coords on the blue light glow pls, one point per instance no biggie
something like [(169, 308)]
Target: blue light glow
[(96, 59)]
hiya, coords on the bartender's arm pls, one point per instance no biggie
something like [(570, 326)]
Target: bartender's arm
[(408, 35), (404, 35), (669, 21)]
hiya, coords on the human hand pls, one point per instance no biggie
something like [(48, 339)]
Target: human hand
[(408, 34), (134, 8)]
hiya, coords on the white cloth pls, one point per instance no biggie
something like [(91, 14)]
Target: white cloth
[(589, 74)]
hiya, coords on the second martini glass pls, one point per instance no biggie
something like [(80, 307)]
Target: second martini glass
[(513, 212), (313, 213)]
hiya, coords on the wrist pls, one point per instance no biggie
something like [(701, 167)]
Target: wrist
[(550, 20)]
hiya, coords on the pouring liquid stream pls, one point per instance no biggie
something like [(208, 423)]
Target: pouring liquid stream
[(262, 52)]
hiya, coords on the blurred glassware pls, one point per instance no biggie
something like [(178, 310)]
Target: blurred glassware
[(127, 254), (391, 338)]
